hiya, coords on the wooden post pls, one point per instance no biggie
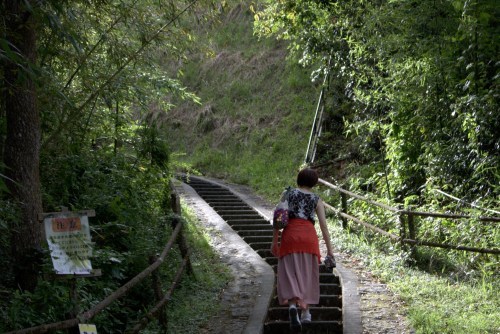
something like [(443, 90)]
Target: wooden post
[(411, 232), (75, 307), (156, 282), (183, 245), (343, 199), (181, 240), (402, 230)]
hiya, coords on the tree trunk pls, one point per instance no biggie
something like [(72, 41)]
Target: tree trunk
[(22, 146)]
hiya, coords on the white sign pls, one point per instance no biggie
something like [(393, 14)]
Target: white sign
[(68, 236), (87, 329)]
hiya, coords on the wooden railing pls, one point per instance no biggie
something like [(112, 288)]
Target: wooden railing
[(406, 220), (157, 310)]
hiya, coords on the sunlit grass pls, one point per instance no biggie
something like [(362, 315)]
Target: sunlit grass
[(196, 300)]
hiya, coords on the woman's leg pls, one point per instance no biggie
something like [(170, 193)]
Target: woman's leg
[(293, 313), (305, 316)]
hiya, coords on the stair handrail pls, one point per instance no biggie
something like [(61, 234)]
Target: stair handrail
[(318, 120)]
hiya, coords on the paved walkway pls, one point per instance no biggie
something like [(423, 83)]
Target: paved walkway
[(246, 298)]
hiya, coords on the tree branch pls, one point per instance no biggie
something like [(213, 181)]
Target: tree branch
[(147, 42)]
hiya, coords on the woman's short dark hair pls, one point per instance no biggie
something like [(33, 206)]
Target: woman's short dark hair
[(307, 177)]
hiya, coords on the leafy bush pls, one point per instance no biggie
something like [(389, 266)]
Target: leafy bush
[(131, 199)]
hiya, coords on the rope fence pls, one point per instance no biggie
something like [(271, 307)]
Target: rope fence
[(406, 219)]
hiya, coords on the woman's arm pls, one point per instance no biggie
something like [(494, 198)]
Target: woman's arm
[(320, 212)]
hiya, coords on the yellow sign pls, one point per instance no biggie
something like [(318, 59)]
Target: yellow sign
[(87, 329)]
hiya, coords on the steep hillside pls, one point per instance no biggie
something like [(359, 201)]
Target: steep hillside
[(256, 110)]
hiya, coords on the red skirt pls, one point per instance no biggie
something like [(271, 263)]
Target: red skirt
[(299, 236)]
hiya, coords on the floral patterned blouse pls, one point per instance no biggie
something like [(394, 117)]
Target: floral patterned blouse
[(302, 205)]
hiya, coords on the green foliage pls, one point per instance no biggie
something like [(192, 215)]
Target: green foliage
[(131, 224), (131, 202), (48, 303), (98, 69), (103, 97), (414, 86), (423, 77), (398, 74)]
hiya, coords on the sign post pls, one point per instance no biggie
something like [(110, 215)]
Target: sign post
[(70, 245), (87, 329)]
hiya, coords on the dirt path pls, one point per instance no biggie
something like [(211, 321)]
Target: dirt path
[(382, 312)]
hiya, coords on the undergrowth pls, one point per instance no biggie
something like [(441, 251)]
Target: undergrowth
[(435, 303)]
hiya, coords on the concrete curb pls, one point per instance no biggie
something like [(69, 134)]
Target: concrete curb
[(236, 245), (351, 313), (256, 320)]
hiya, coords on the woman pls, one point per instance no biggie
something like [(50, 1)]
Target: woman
[(298, 251)]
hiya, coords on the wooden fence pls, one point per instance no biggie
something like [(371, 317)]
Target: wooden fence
[(406, 219), (157, 310)]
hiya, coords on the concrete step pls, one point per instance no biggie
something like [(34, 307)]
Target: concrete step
[(240, 216), (221, 201), (252, 227), (260, 245), (258, 239), (240, 211), (244, 221), (317, 313), (315, 327), (263, 232)]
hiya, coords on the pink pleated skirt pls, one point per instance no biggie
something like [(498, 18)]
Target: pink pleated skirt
[(298, 277)]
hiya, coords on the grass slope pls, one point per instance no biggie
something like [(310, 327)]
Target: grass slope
[(257, 109), (435, 303)]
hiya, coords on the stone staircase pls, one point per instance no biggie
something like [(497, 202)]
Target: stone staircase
[(257, 232)]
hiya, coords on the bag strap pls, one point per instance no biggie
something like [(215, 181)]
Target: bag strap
[(286, 194)]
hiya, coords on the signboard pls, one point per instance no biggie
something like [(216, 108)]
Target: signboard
[(68, 236), (87, 329)]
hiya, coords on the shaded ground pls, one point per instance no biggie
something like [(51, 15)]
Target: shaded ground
[(382, 312)]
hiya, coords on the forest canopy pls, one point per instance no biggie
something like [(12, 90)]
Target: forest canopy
[(83, 92)]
